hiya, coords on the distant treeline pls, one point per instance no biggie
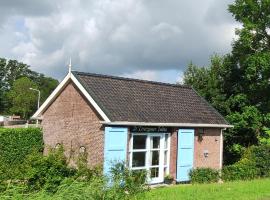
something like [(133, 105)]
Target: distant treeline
[(15, 80)]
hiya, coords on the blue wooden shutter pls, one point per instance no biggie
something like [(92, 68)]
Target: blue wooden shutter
[(115, 147), (185, 154)]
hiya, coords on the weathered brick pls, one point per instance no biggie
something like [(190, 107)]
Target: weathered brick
[(210, 141), (70, 120)]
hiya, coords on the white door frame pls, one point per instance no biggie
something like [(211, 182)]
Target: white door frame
[(162, 150)]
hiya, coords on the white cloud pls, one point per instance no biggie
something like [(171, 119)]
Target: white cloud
[(141, 38), (145, 75)]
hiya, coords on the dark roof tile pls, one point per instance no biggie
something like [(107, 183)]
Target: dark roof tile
[(133, 100)]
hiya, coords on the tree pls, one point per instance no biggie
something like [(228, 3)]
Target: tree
[(2, 84), (238, 84), (251, 52), (11, 70), (209, 82), (254, 36), (23, 100), (46, 85), (265, 138)]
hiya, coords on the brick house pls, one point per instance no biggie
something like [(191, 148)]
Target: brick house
[(163, 128)]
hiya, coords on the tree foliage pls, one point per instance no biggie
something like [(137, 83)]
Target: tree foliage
[(238, 84), (12, 70), (23, 100)]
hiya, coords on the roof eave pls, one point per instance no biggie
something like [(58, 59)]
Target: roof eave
[(202, 125)]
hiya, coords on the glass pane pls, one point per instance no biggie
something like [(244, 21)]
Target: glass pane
[(154, 172), (155, 142), (166, 141), (139, 141), (165, 157), (155, 157), (138, 159)]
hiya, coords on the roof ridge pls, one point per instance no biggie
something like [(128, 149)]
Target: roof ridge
[(130, 79)]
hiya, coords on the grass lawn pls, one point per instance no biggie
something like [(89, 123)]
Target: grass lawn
[(246, 190)]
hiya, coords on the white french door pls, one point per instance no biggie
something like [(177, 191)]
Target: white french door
[(150, 151)]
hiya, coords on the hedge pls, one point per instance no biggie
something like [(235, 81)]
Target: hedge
[(204, 175), (242, 170), (254, 163), (260, 156), (15, 145)]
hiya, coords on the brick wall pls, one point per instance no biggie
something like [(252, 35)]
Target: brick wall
[(173, 153), (70, 120), (210, 141)]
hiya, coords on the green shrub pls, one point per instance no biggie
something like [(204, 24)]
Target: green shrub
[(204, 175), (15, 145), (84, 172), (242, 170), (260, 156), (25, 171), (47, 172), (126, 185), (254, 163), (127, 182)]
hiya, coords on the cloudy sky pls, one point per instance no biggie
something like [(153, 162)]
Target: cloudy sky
[(148, 39)]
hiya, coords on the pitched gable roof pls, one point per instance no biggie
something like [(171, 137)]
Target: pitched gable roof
[(132, 100)]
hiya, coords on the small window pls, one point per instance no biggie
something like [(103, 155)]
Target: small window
[(155, 142), (154, 157), (138, 159), (139, 141)]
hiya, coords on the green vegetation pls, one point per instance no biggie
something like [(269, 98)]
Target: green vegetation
[(260, 156), (241, 170), (264, 138), (242, 190), (46, 172), (49, 177), (204, 175), (26, 173), (22, 99), (16, 78), (15, 146), (237, 84), (254, 163)]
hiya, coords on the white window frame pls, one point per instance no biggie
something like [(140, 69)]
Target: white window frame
[(168, 149), (162, 150)]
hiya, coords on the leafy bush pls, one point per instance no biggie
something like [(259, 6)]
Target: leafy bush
[(125, 186), (242, 170), (260, 156), (84, 172), (128, 182), (264, 138), (47, 172), (26, 173), (15, 145), (254, 163), (204, 175)]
